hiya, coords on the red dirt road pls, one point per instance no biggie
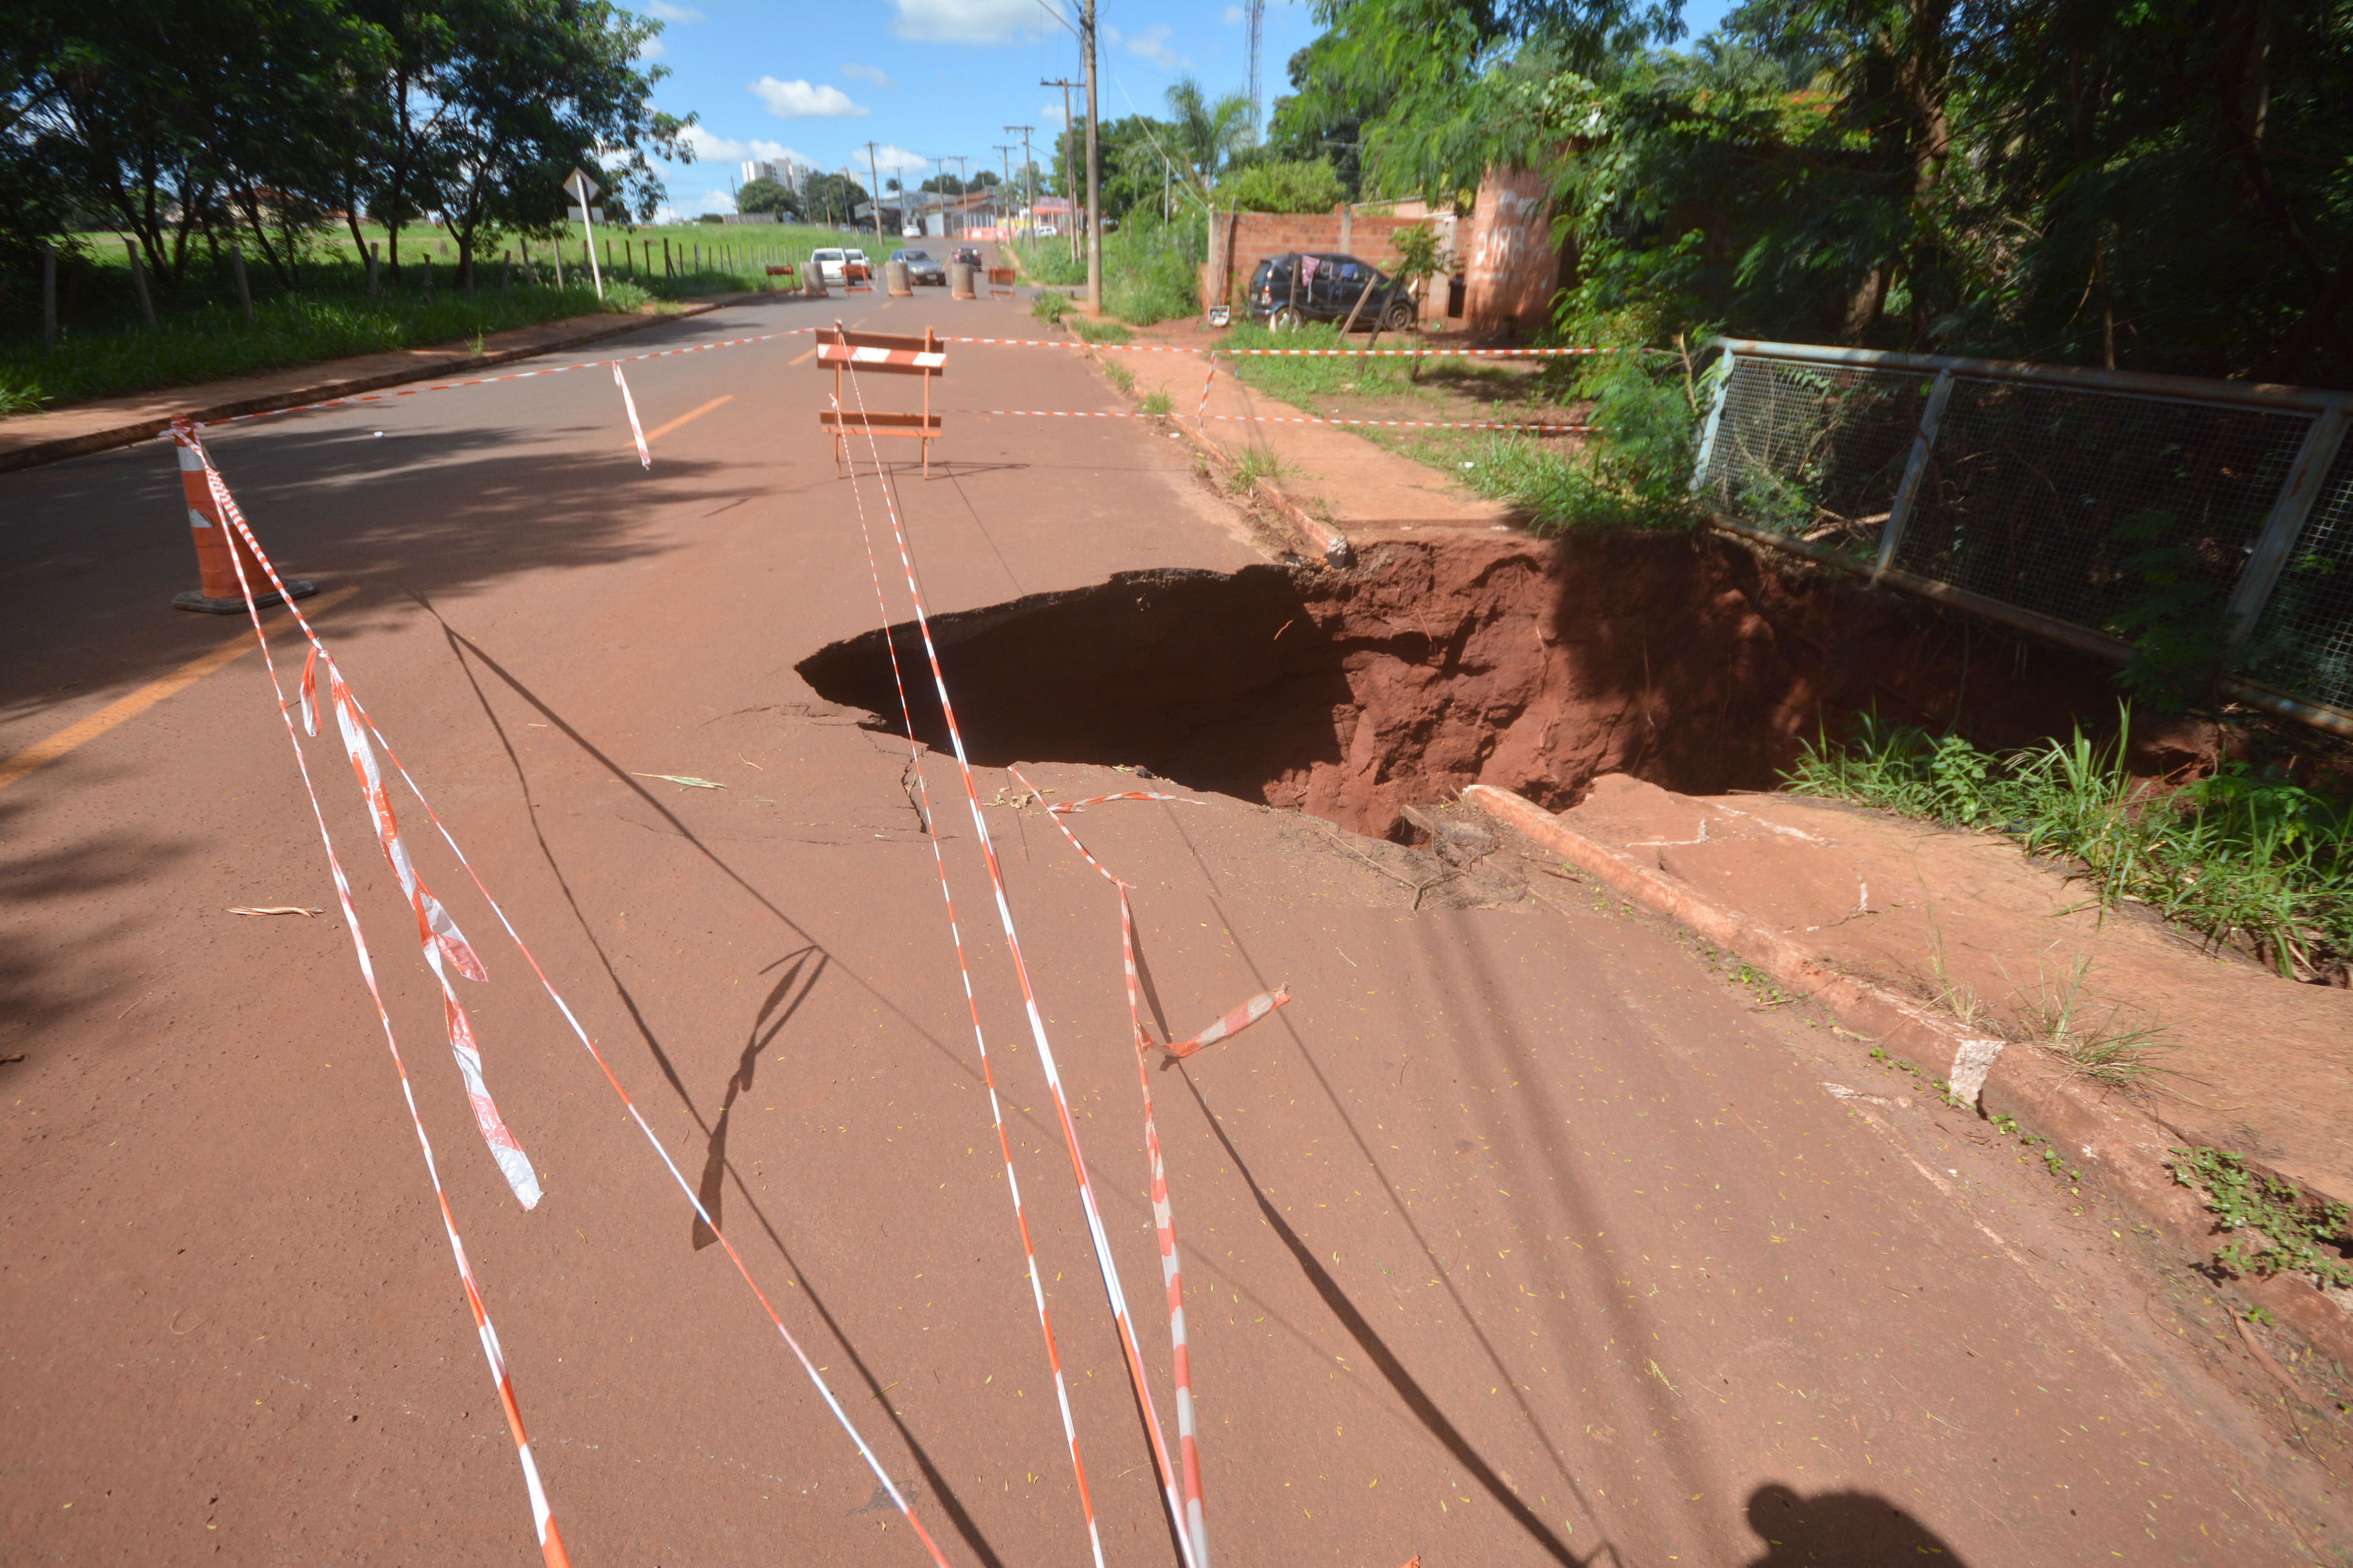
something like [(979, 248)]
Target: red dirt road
[(1518, 1237)]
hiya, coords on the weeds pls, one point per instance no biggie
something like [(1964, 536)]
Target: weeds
[(1049, 307), (2111, 1055), (1156, 404), (2285, 1233), (1121, 377), (1096, 331), (1258, 463), (2243, 855)]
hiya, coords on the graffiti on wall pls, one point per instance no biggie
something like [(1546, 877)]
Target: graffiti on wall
[(1512, 266)]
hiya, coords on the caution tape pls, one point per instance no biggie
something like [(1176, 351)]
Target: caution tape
[(542, 1516), (1296, 353), (1163, 1218), (1280, 419), (1234, 1022), (1114, 1296), (350, 715), (979, 1035), (387, 396)]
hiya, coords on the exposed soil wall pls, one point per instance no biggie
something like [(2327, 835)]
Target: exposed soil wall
[(1687, 661)]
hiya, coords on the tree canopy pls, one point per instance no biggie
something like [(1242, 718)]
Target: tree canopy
[(2167, 185), (251, 122)]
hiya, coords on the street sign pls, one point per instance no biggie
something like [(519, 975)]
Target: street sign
[(581, 186)]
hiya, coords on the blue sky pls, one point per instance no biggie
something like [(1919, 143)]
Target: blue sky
[(927, 78)]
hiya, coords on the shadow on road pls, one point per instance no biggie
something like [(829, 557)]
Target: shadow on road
[(1837, 1530)]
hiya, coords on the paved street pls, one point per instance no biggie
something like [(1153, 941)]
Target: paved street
[(1520, 1236)]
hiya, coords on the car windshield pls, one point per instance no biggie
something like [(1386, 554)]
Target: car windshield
[(912, 256)]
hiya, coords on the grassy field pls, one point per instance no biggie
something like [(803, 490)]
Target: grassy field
[(106, 349)]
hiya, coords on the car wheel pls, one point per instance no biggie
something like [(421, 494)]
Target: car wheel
[(1286, 319), (1398, 317)]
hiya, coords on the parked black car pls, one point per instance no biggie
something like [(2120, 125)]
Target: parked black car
[(921, 268), (1325, 286), (969, 256)]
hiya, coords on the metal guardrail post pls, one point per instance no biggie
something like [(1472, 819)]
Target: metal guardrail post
[(2269, 557), (1707, 431), (1915, 471)]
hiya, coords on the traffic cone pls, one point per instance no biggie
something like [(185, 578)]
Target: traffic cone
[(216, 569)]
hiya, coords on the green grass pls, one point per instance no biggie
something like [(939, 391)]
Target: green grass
[(106, 348), (2305, 1236), (1096, 331), (2244, 855), (1150, 270)]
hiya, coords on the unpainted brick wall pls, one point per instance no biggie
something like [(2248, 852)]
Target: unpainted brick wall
[(1251, 237)]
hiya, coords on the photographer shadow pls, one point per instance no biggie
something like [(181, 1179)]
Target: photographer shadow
[(1838, 1530)]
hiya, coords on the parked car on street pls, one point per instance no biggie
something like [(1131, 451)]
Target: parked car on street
[(828, 263), (967, 255), (1325, 286), (855, 265), (921, 268)]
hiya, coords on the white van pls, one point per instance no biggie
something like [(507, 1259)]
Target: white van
[(827, 264)]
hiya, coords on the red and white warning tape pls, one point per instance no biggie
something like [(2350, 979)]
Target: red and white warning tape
[(1116, 1296), (1294, 353), (1163, 1218), (349, 716), (1234, 1022), (979, 1036), (542, 1516), (1279, 419)]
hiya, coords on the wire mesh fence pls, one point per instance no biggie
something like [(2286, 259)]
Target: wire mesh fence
[(2103, 506)]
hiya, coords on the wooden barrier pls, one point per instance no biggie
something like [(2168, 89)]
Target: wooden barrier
[(887, 354), (1001, 281), (786, 272)]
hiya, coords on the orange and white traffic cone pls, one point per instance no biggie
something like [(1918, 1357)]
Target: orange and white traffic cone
[(215, 568)]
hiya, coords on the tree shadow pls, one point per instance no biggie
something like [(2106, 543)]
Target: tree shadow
[(1837, 1530)]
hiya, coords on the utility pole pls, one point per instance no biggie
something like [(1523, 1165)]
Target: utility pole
[(875, 174), (1094, 171), (964, 211), (1004, 150), (1029, 173), (1070, 158)]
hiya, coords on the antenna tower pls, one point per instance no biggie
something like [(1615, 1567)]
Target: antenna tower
[(1256, 10)]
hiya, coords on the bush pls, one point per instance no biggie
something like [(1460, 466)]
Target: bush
[(1312, 186)]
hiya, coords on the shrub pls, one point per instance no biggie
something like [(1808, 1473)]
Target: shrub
[(1311, 187)]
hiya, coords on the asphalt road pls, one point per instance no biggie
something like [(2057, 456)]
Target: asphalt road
[(1519, 1236)]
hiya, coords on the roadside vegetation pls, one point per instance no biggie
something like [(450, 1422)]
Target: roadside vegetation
[(1151, 269), (2244, 856), (105, 347)]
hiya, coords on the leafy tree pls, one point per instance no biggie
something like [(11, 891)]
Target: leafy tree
[(1288, 187), (763, 196), (830, 198)]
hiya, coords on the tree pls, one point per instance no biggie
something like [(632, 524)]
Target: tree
[(763, 196), (831, 199), (1205, 135), (1291, 187)]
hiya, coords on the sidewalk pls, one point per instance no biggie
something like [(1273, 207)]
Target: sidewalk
[(30, 440)]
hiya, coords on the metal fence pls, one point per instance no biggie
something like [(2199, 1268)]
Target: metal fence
[(2082, 505)]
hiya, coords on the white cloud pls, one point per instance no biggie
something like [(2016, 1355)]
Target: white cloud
[(652, 49), (1152, 44), (712, 149), (966, 21), (889, 161), (799, 100), (868, 73), (663, 11), (1052, 115), (1231, 16), (1110, 37)]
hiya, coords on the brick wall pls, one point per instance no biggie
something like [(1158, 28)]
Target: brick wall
[(1510, 266), (1239, 241)]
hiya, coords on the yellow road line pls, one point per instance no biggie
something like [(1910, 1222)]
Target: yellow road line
[(804, 356), (662, 430), (42, 753)]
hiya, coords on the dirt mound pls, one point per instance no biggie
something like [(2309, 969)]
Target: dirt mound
[(1686, 660)]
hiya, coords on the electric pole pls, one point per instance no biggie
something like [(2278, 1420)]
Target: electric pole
[(1005, 149), (1070, 158), (964, 210), (1029, 173), (875, 174), (1094, 171)]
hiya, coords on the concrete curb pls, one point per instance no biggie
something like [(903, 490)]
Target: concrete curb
[(131, 431), (2125, 1145)]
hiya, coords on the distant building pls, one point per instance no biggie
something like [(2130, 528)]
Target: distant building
[(782, 171)]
